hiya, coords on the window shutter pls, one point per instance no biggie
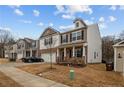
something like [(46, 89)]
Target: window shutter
[(66, 38), (61, 38), (51, 40), (82, 35), (70, 37), (44, 41)]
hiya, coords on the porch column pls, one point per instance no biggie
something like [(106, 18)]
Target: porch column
[(24, 53), (73, 51), (57, 52), (31, 53), (83, 50), (84, 55), (64, 53), (57, 58)]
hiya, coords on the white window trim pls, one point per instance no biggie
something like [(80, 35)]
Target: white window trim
[(76, 35)]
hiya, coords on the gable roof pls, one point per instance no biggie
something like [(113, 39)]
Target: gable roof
[(49, 31), (28, 40), (121, 43), (79, 19)]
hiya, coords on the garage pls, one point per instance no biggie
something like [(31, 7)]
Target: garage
[(46, 57)]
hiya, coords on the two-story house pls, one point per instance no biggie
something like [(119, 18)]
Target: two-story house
[(22, 48), (26, 48), (84, 41)]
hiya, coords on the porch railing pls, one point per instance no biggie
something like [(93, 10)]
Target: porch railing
[(73, 60)]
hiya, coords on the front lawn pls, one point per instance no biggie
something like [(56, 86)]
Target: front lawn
[(91, 75), (3, 61), (5, 81)]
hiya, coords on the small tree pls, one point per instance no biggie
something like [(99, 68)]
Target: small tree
[(50, 45)]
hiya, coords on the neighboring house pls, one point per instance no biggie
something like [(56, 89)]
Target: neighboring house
[(12, 53), (22, 48), (84, 41), (26, 48), (119, 57)]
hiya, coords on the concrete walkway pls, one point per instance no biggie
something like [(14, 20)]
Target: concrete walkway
[(26, 79)]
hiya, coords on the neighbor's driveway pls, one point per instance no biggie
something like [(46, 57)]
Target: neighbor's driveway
[(26, 79)]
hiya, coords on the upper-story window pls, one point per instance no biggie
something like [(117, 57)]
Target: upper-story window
[(76, 36), (18, 46), (64, 38), (77, 24), (33, 44), (48, 41), (22, 45), (28, 45)]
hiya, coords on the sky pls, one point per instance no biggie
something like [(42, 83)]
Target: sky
[(31, 20)]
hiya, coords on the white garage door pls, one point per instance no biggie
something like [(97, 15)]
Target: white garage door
[(46, 57)]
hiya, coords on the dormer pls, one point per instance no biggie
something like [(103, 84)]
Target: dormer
[(79, 23)]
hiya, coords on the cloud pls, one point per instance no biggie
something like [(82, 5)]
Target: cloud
[(67, 16), (113, 7), (66, 27), (60, 9), (5, 29), (36, 12), (18, 12), (101, 19), (121, 7), (26, 21), (92, 18), (14, 6), (88, 22), (69, 11), (51, 24), (112, 18), (102, 23), (72, 9), (40, 24)]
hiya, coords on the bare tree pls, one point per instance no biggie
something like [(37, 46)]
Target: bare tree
[(6, 39), (50, 45), (121, 35), (107, 48)]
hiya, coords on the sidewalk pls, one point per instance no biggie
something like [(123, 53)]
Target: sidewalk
[(28, 80)]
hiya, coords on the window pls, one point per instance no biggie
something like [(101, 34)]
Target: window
[(94, 55), (73, 36), (77, 24), (64, 39), (33, 44), (119, 55), (78, 52), (48, 41), (76, 36), (19, 46)]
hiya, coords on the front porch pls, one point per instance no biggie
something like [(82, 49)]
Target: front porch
[(72, 54), (30, 53)]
